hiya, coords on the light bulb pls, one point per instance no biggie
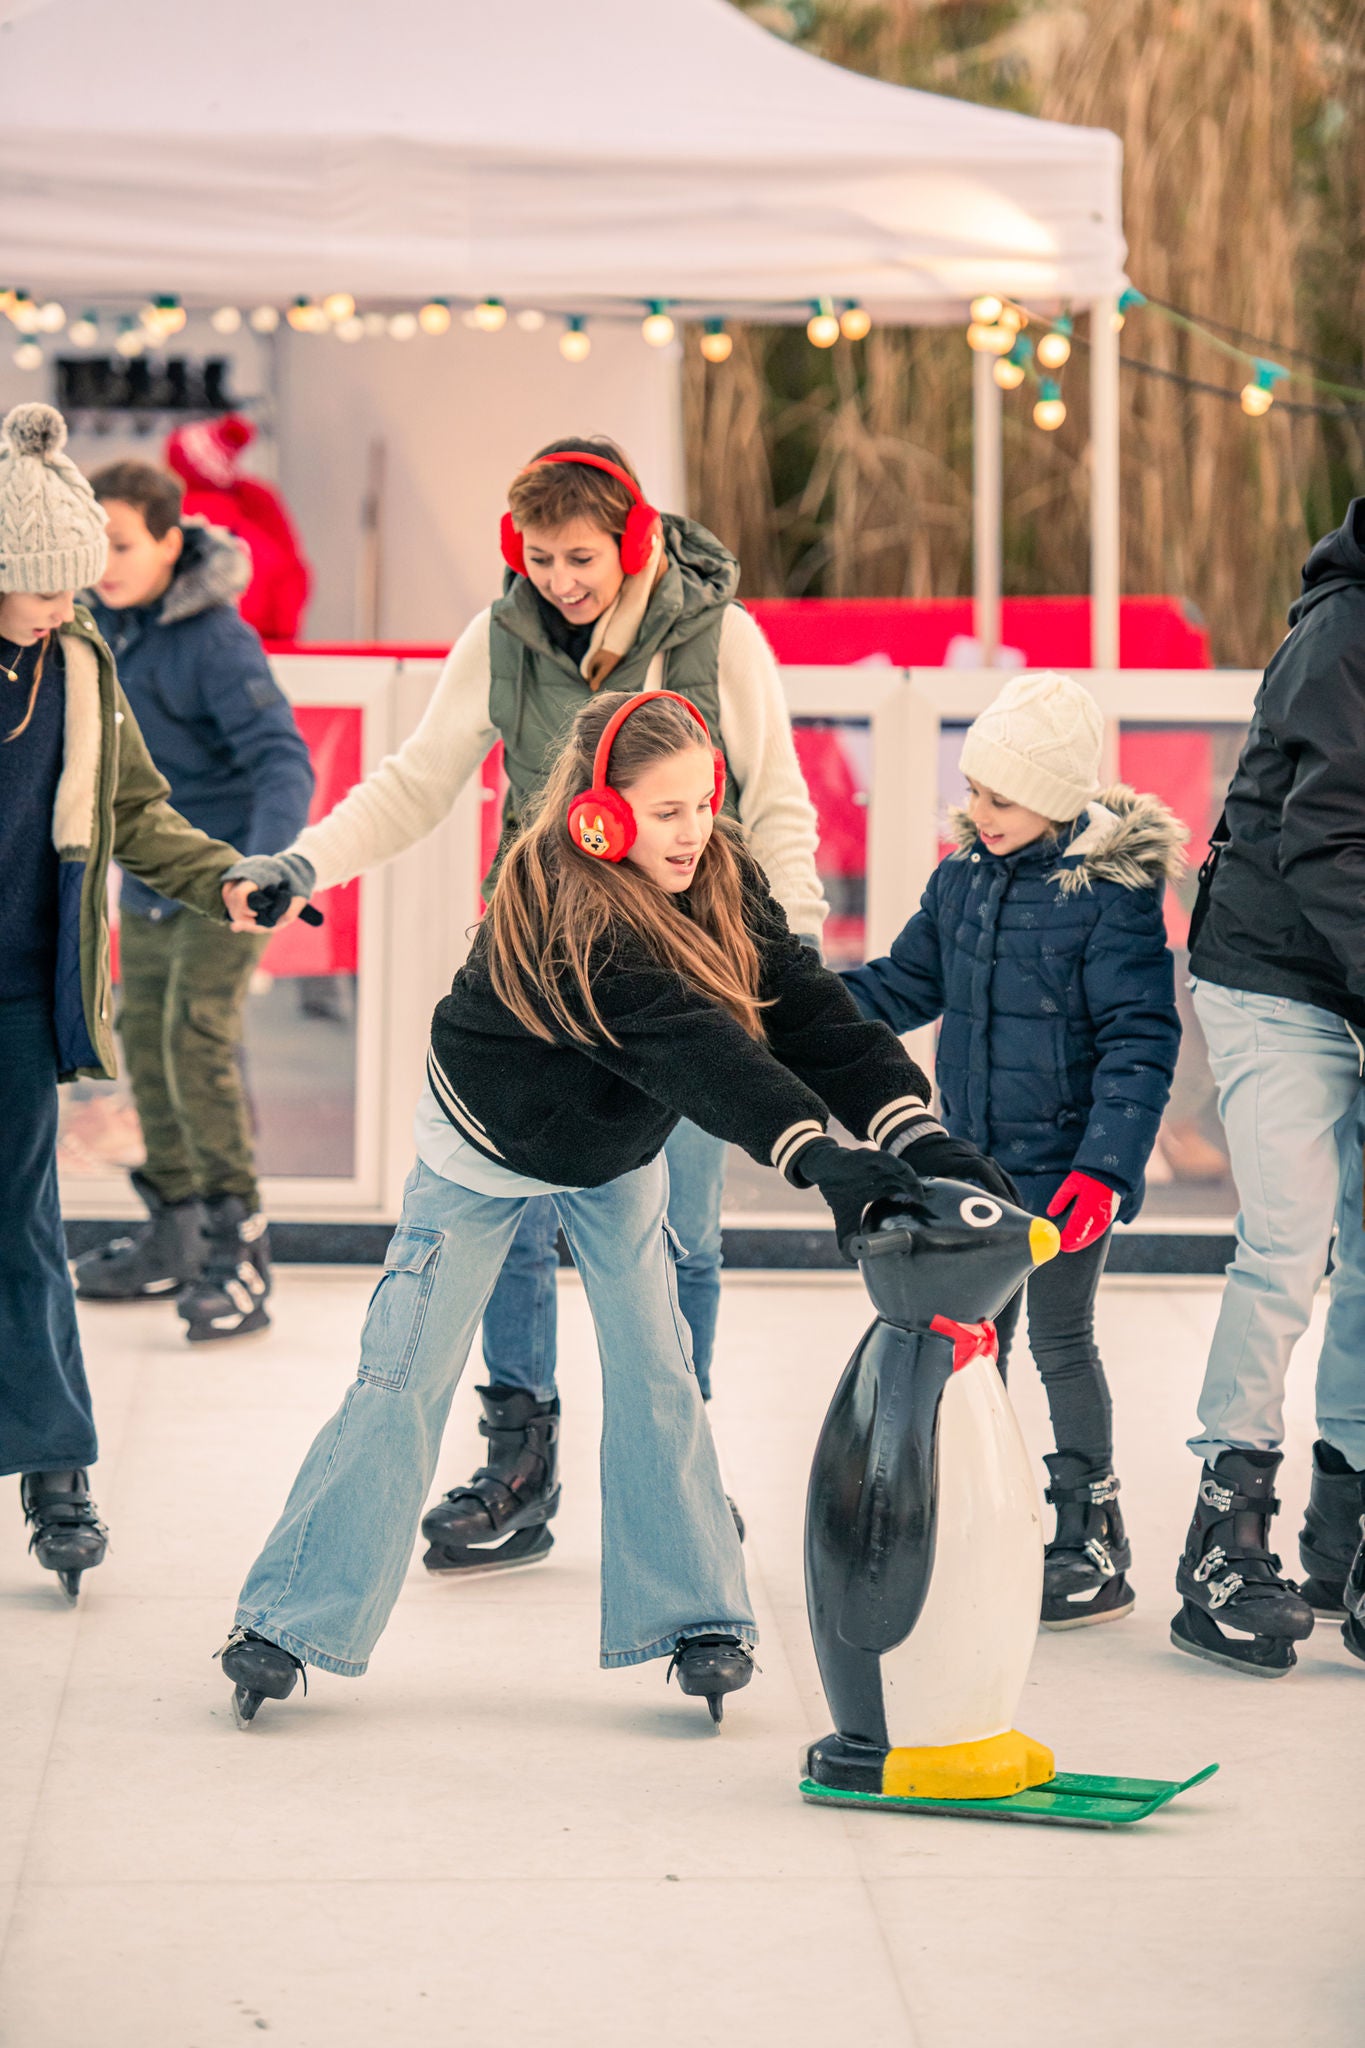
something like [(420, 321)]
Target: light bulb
[(529, 320), (490, 316), (991, 341), (1011, 317), (1053, 351), (150, 316), (265, 320), (434, 317), (172, 317), (822, 330), (85, 332), (1117, 322), (227, 320), (402, 326), (338, 306), (350, 329), (855, 323), (1009, 376), (716, 344), (374, 324), (306, 318), (24, 314), (51, 317), (1256, 400), (657, 326), (28, 356), (987, 309), (1048, 414), (130, 343), (574, 344)]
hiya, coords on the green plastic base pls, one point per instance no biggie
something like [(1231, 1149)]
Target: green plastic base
[(1065, 1801)]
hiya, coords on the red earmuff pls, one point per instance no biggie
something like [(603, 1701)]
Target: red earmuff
[(641, 520), (601, 822)]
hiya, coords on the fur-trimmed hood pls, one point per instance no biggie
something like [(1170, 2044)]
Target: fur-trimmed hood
[(214, 568), (1122, 836)]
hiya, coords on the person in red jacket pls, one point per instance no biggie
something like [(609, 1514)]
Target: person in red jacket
[(207, 454)]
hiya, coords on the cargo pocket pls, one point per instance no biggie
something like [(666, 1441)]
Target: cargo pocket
[(398, 1307), (674, 1254)]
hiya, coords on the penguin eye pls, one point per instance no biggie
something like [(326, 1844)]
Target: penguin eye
[(980, 1212)]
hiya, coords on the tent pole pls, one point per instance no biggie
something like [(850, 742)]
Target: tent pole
[(986, 507), (1104, 485)]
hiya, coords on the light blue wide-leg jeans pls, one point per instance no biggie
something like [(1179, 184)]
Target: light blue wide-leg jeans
[(325, 1583), (1292, 1101)]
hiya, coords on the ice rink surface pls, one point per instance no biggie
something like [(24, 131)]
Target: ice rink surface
[(488, 1840)]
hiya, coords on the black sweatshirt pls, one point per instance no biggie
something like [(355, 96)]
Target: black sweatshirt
[(579, 1116)]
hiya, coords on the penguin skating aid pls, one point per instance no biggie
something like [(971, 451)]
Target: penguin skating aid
[(924, 1546)]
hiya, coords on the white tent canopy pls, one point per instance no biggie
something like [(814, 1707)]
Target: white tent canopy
[(569, 157)]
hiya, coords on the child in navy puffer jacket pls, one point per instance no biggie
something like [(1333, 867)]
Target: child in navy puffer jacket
[(1041, 945)]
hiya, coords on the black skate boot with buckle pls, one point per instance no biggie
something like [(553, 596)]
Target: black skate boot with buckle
[(709, 1667), (1353, 1598), (1238, 1608), (228, 1299), (68, 1536), (513, 1496), (1331, 1529), (259, 1670), (1085, 1565), (159, 1258)]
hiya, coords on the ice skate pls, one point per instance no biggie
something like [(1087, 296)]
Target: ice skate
[(709, 1667), (1331, 1530), (512, 1497), (68, 1536), (259, 1670), (1353, 1595), (159, 1258), (1238, 1608), (1085, 1565), (228, 1299)]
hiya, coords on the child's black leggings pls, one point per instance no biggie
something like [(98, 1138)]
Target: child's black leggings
[(1061, 1335)]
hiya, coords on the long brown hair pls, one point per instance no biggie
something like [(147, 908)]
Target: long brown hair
[(553, 904)]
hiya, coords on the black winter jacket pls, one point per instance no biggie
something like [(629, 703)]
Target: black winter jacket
[(580, 1116), (1286, 913)]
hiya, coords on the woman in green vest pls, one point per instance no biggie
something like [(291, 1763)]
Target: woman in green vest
[(598, 585)]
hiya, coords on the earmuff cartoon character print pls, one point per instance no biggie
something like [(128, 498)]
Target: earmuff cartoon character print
[(601, 822), (641, 521)]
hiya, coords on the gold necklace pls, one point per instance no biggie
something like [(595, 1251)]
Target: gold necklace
[(5, 670)]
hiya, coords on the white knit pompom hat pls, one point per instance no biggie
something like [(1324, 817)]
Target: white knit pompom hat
[(1038, 745), (52, 534)]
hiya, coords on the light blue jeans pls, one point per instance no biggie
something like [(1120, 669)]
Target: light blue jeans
[(1292, 1100), (325, 1584), (519, 1322)]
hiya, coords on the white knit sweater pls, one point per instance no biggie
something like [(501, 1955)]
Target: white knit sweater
[(410, 793)]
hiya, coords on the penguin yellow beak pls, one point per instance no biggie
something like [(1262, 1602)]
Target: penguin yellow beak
[(1044, 1240)]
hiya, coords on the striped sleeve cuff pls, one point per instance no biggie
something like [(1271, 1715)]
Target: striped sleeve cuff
[(794, 1140), (897, 1124)]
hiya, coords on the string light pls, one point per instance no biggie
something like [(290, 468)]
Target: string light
[(574, 343), (402, 326), (130, 340), (1128, 299), (1259, 395), (657, 326), (227, 320), (265, 320), (51, 317), (1055, 349), (434, 317), (855, 322), (490, 316), (1008, 374), (306, 318), (529, 320), (1050, 410), (28, 356), (338, 306), (24, 313), (987, 309), (991, 341), (1013, 318), (822, 329), (716, 344), (85, 332), (173, 315)]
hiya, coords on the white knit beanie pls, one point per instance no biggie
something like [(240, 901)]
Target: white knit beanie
[(1038, 745), (52, 534)]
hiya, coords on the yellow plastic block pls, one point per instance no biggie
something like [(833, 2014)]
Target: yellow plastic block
[(990, 1769)]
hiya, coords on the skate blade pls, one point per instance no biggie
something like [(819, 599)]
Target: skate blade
[(1230, 1661), (245, 1705), (1067, 1800), (1090, 1620), (473, 1560), (70, 1583)]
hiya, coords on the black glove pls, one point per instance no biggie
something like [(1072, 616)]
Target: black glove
[(850, 1178), (279, 877), (937, 1156)]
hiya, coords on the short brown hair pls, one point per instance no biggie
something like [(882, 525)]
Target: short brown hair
[(553, 496), (154, 492)]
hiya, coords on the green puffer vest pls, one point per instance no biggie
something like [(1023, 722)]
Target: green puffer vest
[(536, 690)]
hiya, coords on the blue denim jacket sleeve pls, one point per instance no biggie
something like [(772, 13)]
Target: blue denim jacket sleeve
[(905, 987)]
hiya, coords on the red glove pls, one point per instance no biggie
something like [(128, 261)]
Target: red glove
[(1093, 1209)]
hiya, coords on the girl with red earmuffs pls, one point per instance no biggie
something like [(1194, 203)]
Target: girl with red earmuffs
[(600, 591), (633, 969)]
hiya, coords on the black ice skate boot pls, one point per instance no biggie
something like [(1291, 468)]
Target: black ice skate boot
[(1331, 1529), (513, 1496), (68, 1536), (1238, 1609), (228, 1298), (1353, 1594), (158, 1258), (259, 1670), (708, 1667), (1084, 1569)]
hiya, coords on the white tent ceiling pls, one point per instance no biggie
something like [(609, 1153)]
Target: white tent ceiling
[(575, 157)]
